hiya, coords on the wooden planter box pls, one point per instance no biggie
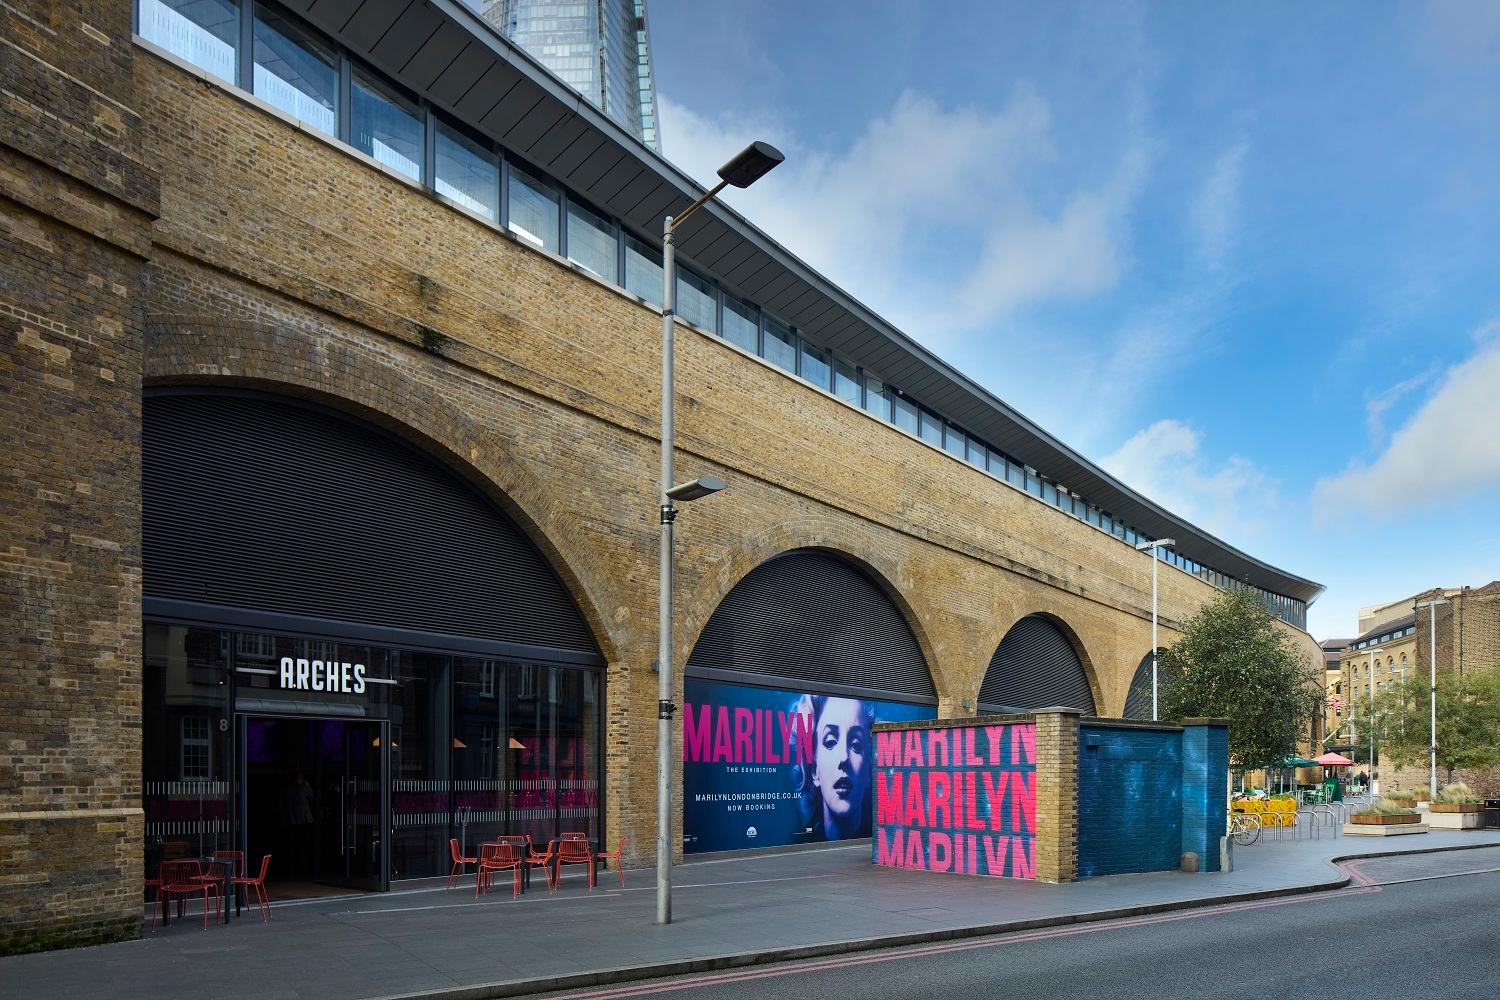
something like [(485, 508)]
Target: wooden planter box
[(1372, 819), (1456, 807), (1454, 816)]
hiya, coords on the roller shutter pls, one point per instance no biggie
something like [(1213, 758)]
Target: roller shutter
[(809, 621), (1138, 699), (1035, 666), (264, 503)]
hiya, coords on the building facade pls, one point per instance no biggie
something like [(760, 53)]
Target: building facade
[(331, 343), (600, 48)]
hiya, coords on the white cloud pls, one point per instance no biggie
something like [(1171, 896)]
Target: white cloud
[(1216, 210), (1381, 402), (930, 204), (1234, 499), (1448, 450)]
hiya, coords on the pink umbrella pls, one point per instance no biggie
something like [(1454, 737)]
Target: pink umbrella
[(1334, 760)]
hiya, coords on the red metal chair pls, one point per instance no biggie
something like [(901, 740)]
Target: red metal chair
[(616, 857), (183, 879), (258, 887), (574, 850), (544, 860), (456, 872), (498, 858), (236, 858)]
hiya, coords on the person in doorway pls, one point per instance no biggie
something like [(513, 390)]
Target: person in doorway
[(842, 758), (297, 822)]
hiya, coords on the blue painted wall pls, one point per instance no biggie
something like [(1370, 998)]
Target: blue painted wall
[(1205, 791), (1130, 816)]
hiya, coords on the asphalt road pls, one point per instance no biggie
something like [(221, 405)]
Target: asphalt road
[(1423, 926)]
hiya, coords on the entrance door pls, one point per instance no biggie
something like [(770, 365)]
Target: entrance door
[(314, 799)]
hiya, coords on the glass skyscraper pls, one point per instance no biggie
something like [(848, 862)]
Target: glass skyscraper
[(599, 47)]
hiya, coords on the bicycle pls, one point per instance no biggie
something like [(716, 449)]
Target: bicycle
[(1244, 828)]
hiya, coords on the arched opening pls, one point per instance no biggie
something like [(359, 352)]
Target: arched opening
[(795, 665), (1138, 699), (352, 656), (1035, 666)]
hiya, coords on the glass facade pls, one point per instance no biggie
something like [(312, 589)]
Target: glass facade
[(468, 171), (592, 243), (387, 126), (477, 747), (600, 48), (206, 33)]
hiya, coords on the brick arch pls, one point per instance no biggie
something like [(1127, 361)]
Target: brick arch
[(383, 396), (815, 534), (1139, 689), (997, 636)]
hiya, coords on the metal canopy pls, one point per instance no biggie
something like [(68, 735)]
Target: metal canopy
[(445, 51)]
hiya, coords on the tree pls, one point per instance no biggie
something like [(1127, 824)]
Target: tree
[(1468, 721), (1234, 662)]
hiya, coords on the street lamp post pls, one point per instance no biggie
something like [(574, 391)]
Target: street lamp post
[(745, 169), (1402, 672), (1370, 690), (1155, 547), (1432, 607)]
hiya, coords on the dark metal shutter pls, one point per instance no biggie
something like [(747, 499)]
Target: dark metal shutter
[(1138, 699), (1035, 666), (262, 503), (813, 622)]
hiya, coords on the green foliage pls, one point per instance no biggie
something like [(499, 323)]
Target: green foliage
[(1456, 794), (1468, 717), (1234, 662), (1383, 807)]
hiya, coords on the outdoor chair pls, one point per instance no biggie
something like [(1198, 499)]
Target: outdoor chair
[(257, 887), (235, 858), (545, 860), (572, 851), (498, 858), (459, 861), (616, 857), (182, 879)]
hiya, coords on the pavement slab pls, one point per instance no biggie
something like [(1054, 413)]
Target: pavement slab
[(432, 942)]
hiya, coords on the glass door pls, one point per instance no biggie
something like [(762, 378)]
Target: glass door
[(362, 806)]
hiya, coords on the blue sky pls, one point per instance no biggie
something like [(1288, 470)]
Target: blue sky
[(1245, 256)]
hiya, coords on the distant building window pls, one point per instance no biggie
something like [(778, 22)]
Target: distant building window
[(780, 345), (845, 381), (697, 301), (816, 367), (467, 173), (197, 758), (741, 324), (592, 243), (533, 211), (643, 276), (295, 72), (205, 33), (386, 126)]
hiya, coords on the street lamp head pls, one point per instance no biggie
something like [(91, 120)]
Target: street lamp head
[(1158, 543), (696, 489), (751, 164)]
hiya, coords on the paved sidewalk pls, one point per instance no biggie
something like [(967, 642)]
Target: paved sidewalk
[(728, 912)]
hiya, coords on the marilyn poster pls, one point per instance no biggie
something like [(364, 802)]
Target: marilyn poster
[(766, 768)]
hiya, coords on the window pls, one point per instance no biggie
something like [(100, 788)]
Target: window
[(1403, 659), (955, 442), (977, 454), (386, 126), (295, 72), (845, 381), (197, 755), (932, 428), (592, 244), (206, 33), (1033, 482), (879, 402), (780, 345), (741, 324), (904, 414), (643, 271), (533, 210), (1049, 493), (697, 301), (1015, 475), (815, 366), (467, 173)]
